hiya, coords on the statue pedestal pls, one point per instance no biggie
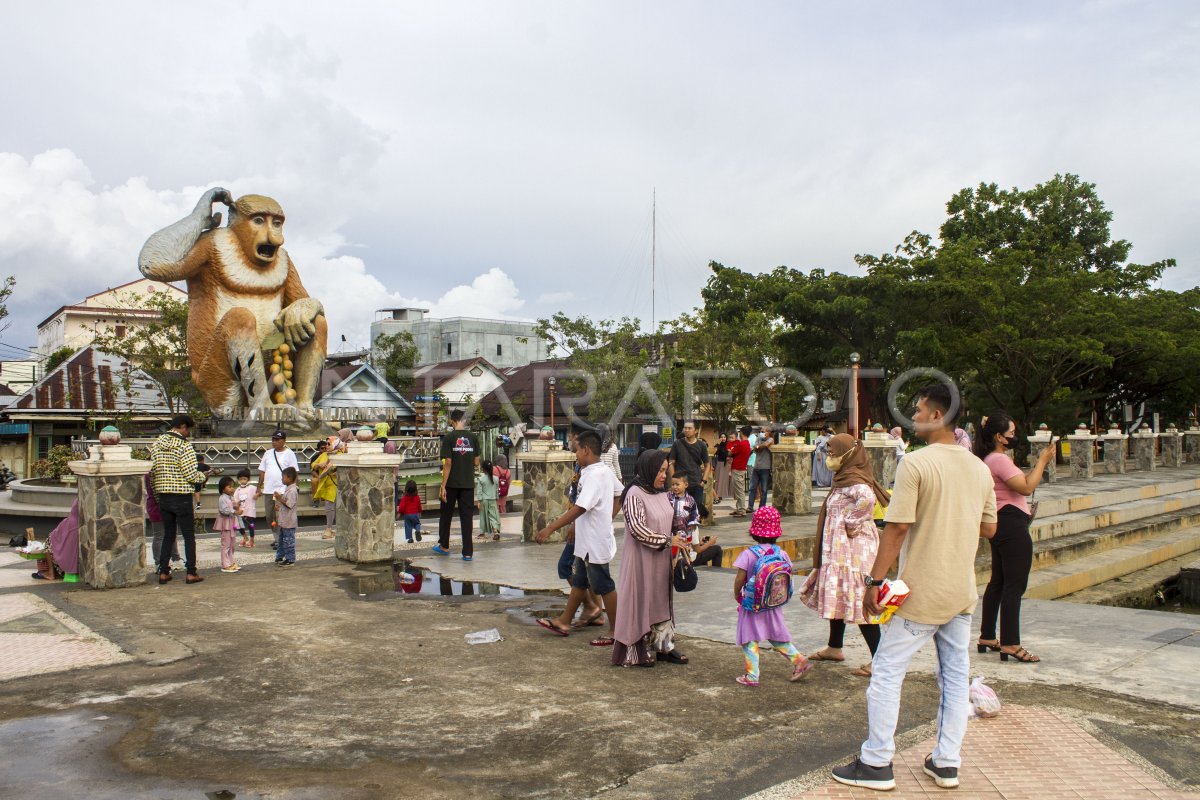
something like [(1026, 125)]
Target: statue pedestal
[(1172, 448), (1115, 452), (547, 470), (1082, 463), (1037, 443), (881, 452), (1143, 450), (791, 462), (366, 503), (112, 530)]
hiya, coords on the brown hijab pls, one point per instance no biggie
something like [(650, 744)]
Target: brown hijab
[(855, 469)]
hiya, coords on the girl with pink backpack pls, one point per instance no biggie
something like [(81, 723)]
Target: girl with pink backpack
[(762, 586)]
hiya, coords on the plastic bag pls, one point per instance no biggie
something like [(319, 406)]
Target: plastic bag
[(984, 702), (484, 637)]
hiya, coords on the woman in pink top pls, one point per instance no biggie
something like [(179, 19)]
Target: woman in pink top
[(1012, 546)]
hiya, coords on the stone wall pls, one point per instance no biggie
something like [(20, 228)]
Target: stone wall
[(112, 552)]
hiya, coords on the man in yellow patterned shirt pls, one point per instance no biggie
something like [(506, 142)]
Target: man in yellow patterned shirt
[(174, 475)]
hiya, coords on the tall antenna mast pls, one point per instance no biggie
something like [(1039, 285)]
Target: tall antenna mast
[(653, 252)]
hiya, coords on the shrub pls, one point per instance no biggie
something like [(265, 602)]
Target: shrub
[(54, 465)]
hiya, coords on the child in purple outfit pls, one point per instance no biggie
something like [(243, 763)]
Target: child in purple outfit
[(767, 624)]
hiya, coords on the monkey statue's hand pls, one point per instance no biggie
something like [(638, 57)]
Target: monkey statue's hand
[(203, 211), (298, 322)]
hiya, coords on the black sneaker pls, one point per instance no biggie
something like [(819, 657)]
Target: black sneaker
[(944, 777), (287, 563), (857, 773), (278, 560)]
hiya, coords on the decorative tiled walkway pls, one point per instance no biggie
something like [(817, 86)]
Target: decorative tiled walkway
[(1024, 754), (36, 638)]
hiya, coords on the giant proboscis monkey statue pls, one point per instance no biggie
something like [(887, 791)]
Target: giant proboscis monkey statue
[(242, 288)]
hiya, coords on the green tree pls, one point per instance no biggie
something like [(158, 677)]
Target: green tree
[(159, 348), (395, 355), (6, 290), (55, 359)]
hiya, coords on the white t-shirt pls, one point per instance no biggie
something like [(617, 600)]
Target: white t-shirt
[(594, 539), (272, 472), (612, 459)]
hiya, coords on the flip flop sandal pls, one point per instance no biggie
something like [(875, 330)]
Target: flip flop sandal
[(601, 641), (744, 681), (595, 619), (864, 671), (800, 671), (818, 657), (673, 656), (1022, 656), (496, 537), (550, 626)]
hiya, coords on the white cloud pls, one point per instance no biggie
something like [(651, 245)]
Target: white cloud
[(491, 295)]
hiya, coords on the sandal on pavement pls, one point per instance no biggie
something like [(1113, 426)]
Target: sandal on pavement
[(864, 671), (983, 646), (550, 626), (819, 656), (495, 537), (1022, 656), (674, 656), (596, 619), (744, 681), (800, 671), (602, 641)]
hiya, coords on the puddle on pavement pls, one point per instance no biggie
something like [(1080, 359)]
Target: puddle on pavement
[(403, 579)]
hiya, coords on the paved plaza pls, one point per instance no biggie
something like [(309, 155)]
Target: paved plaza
[(323, 682)]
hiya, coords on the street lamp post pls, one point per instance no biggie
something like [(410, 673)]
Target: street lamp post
[(855, 358), (551, 402)]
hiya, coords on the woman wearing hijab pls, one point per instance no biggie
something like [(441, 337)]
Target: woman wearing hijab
[(325, 483), (721, 458), (822, 476), (645, 625), (648, 441), (847, 540), (503, 478)]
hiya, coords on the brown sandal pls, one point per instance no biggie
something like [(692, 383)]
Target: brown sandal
[(863, 671)]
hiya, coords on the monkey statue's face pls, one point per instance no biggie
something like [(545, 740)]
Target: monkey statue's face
[(261, 235)]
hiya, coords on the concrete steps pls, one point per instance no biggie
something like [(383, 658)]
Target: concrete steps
[(1084, 539)]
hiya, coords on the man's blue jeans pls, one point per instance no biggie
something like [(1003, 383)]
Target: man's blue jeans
[(899, 641)]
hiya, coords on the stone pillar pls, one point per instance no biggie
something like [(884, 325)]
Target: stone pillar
[(366, 502), (791, 461), (1081, 453), (1039, 442), (1172, 447), (1191, 444), (1115, 451), (547, 470), (881, 452), (112, 530), (1143, 450)]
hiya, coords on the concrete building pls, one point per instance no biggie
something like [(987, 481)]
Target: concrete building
[(504, 343), (117, 310)]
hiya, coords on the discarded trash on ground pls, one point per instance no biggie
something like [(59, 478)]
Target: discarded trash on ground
[(484, 637)]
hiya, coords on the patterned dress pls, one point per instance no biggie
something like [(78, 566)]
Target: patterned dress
[(836, 590)]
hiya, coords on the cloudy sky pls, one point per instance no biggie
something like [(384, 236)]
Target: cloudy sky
[(498, 158)]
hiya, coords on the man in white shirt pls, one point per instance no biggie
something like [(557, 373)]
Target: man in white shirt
[(595, 543), (270, 475)]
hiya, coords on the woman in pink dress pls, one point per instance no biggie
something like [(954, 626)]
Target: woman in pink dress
[(847, 540), (645, 619)]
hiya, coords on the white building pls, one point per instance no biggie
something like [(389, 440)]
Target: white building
[(504, 343), (460, 382), (118, 310)]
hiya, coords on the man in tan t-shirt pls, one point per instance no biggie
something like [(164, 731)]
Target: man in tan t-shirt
[(943, 501)]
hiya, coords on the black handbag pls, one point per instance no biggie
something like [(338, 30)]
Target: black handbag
[(683, 574)]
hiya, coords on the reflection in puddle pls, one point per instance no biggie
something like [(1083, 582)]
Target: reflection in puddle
[(403, 577)]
